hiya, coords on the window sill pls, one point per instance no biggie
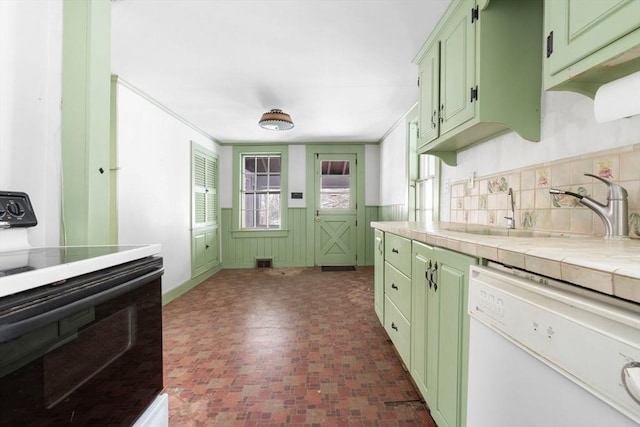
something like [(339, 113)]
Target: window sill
[(239, 234)]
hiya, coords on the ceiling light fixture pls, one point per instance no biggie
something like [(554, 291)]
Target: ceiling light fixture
[(276, 120)]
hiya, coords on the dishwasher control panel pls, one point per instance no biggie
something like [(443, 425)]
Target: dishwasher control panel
[(593, 343)]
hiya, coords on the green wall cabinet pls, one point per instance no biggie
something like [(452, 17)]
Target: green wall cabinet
[(378, 289), (590, 43), (480, 75), (205, 236)]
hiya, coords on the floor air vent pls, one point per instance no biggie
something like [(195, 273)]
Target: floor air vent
[(264, 263), (338, 268)]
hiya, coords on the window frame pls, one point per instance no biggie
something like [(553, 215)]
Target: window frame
[(428, 175), (239, 154)]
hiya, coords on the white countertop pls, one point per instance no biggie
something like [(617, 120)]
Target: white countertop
[(74, 265), (610, 266)]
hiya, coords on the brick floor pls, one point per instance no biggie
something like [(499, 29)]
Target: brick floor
[(284, 347)]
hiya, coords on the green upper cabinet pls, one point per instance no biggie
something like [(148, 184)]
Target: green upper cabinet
[(457, 69), (429, 78), (480, 74), (589, 43)]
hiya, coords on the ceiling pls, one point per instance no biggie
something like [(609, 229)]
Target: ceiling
[(341, 68)]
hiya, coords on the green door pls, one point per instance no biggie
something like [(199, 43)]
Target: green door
[(335, 210)]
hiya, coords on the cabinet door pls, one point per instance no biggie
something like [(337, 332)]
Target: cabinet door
[(379, 275), (205, 250), (457, 69), (451, 311), (429, 73), (422, 265), (211, 248), (581, 28), (453, 332)]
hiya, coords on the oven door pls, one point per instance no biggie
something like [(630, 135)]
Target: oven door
[(96, 360)]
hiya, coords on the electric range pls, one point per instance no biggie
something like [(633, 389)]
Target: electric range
[(80, 329)]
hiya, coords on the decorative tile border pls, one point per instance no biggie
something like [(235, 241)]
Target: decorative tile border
[(536, 209)]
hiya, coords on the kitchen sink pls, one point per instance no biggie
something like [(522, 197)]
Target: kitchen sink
[(489, 231)]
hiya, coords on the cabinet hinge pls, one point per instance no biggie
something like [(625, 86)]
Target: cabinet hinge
[(475, 14), (418, 81), (550, 44), (474, 94)]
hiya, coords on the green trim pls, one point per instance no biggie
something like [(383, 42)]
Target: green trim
[(413, 165), (188, 285), (86, 124), (401, 121), (238, 152), (113, 165), (244, 234)]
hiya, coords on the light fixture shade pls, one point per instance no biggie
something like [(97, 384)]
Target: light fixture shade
[(276, 120)]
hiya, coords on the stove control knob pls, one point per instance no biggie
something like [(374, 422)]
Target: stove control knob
[(3, 211), (15, 209)]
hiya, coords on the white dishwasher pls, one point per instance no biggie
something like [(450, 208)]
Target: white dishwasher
[(543, 353)]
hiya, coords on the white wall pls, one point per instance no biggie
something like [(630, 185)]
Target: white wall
[(372, 175), (393, 168), (568, 129), (298, 175), (30, 116), (154, 181)]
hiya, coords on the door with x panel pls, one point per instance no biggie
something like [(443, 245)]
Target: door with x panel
[(335, 210)]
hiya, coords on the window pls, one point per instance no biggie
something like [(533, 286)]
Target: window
[(335, 185), (427, 188), (260, 204), (261, 191)]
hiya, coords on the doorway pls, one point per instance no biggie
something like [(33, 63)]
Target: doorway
[(335, 208)]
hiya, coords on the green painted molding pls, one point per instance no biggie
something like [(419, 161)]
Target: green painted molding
[(86, 123), (188, 285), (238, 152), (113, 166)]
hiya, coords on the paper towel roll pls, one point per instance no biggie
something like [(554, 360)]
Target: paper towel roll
[(617, 99)]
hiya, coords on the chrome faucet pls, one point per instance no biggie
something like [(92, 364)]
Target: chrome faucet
[(511, 220), (614, 214)]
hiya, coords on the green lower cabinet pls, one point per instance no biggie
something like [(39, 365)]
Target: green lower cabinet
[(440, 334), (205, 250), (422, 262)]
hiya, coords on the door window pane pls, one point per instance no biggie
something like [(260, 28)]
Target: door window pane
[(335, 185)]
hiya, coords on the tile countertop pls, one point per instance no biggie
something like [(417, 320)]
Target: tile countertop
[(609, 266)]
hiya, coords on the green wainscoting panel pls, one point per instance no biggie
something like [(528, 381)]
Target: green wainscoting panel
[(286, 250), (370, 214), (393, 213)]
